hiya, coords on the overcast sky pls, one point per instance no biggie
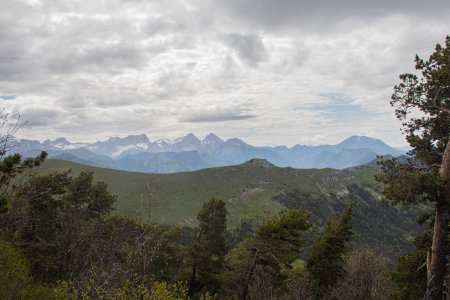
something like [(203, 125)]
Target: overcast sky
[(269, 72)]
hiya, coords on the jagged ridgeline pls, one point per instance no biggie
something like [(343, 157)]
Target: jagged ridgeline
[(136, 153), (256, 190)]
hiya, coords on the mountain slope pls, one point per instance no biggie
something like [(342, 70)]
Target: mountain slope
[(166, 162), (255, 191), (360, 142), (79, 155)]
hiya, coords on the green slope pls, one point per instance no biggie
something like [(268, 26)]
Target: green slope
[(254, 191)]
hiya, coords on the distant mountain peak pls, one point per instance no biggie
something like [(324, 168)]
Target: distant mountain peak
[(212, 139), (236, 141), (190, 136), (212, 136), (61, 140), (140, 138), (359, 142), (359, 138)]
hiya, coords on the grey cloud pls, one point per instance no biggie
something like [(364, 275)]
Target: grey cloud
[(173, 83), (217, 115), (81, 93), (36, 116), (249, 47), (15, 43), (227, 78), (155, 26), (104, 58), (85, 68), (87, 123), (319, 15)]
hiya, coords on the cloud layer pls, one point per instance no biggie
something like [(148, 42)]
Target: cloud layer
[(271, 72)]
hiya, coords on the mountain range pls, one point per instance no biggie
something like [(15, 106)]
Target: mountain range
[(188, 153)]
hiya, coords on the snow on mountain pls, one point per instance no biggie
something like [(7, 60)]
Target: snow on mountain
[(352, 151), (161, 145), (116, 146), (130, 149)]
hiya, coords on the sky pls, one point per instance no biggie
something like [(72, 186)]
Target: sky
[(269, 72)]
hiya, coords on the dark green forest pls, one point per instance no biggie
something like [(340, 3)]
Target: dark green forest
[(61, 238)]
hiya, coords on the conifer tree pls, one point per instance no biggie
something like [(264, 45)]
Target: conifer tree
[(422, 103), (210, 247), (276, 244), (325, 261)]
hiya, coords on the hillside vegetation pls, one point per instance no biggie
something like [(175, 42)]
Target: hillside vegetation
[(255, 191)]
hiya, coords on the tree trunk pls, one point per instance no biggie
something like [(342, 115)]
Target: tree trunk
[(193, 280), (249, 276), (438, 270), (435, 286)]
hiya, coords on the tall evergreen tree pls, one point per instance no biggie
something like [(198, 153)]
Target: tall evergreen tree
[(422, 103), (276, 244), (210, 247), (325, 261)]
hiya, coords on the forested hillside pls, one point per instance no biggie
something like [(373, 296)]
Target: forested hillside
[(245, 231), (255, 191)]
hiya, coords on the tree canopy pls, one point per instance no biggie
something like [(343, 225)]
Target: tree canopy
[(422, 103)]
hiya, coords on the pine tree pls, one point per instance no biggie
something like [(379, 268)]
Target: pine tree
[(210, 247), (276, 244), (10, 167), (325, 261), (423, 105)]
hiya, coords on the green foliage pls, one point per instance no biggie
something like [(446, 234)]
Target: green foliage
[(252, 195), (94, 198), (427, 133), (10, 167), (133, 290), (423, 105), (410, 272), (280, 238), (326, 258), (15, 278), (170, 255), (164, 290), (407, 184), (276, 244), (53, 217), (209, 249), (244, 230)]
